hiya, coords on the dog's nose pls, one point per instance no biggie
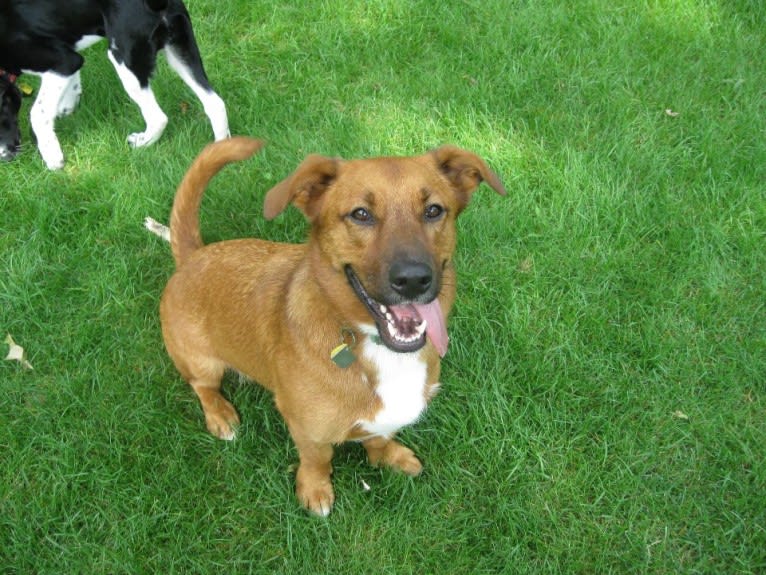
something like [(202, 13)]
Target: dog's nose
[(410, 279), (7, 153)]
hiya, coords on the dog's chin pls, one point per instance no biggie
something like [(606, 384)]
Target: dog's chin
[(400, 327), (6, 156)]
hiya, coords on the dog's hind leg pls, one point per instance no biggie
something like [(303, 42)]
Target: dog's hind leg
[(194, 357), (214, 107), (220, 416), (184, 57), (204, 375), (155, 118)]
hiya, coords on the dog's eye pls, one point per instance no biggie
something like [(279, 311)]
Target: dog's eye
[(433, 213), (362, 216)]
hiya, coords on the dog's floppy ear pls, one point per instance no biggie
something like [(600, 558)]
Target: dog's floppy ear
[(304, 187), (465, 171)]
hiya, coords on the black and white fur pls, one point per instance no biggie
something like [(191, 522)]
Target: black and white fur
[(10, 103), (43, 37)]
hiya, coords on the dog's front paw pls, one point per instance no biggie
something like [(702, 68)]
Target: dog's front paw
[(223, 421), (404, 460), (318, 498), (155, 125), (50, 150), (54, 160), (394, 455), (140, 139)]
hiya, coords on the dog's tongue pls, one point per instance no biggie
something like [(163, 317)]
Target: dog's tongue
[(436, 328)]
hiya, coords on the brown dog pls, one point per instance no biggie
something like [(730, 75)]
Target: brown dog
[(347, 329)]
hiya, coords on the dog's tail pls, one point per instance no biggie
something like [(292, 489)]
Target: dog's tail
[(185, 237)]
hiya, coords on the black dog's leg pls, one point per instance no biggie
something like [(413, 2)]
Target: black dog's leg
[(55, 83), (184, 57), (134, 67), (58, 65), (10, 103)]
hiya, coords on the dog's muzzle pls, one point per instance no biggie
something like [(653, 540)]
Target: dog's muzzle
[(405, 327)]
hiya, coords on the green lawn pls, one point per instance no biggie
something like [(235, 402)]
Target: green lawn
[(604, 398)]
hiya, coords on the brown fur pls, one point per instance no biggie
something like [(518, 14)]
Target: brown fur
[(275, 311)]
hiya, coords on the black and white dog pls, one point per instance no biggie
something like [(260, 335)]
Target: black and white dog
[(43, 37), (10, 104)]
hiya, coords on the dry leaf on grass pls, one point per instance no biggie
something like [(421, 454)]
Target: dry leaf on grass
[(16, 353), (678, 414), (525, 266), (671, 113)]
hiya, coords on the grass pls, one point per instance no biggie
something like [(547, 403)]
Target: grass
[(604, 408)]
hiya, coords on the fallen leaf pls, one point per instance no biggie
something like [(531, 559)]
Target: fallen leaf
[(157, 228), (680, 415), (526, 265), (365, 486), (671, 113), (16, 353)]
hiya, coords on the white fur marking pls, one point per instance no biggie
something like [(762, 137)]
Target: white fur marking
[(87, 41), (155, 118), (43, 117), (211, 102), (71, 96), (401, 389), (158, 229)]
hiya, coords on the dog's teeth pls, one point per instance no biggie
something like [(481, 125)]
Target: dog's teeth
[(421, 329), (384, 310)]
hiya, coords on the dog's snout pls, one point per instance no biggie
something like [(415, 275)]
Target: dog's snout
[(410, 279), (7, 153)]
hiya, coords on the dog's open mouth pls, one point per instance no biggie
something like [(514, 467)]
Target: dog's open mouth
[(404, 327)]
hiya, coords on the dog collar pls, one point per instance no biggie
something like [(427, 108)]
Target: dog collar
[(10, 76)]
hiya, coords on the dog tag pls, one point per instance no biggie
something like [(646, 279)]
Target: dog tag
[(342, 356), (26, 89)]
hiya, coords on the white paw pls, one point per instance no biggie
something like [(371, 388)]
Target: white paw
[(230, 436), (54, 159), (222, 135), (55, 165), (141, 139), (138, 139)]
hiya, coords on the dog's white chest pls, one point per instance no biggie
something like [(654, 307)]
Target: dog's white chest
[(401, 389)]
